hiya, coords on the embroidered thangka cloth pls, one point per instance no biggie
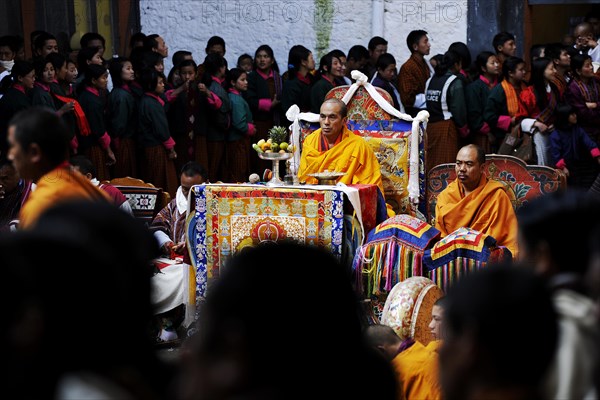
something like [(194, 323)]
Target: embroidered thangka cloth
[(226, 218), (459, 253)]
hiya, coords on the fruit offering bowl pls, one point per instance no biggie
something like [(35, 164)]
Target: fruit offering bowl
[(275, 157)]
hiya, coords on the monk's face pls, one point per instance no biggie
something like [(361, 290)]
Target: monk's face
[(435, 326), (331, 120), (468, 169)]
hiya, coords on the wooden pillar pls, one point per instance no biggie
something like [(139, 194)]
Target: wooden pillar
[(527, 33), (28, 17), (123, 25)]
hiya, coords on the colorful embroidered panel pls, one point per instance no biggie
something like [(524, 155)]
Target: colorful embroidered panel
[(227, 218), (362, 105), (461, 252), (392, 253), (143, 201), (523, 182)]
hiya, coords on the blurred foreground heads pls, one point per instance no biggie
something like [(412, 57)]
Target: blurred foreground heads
[(275, 310), (500, 336), (80, 329)]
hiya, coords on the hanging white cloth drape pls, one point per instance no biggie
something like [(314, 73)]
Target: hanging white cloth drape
[(293, 114)]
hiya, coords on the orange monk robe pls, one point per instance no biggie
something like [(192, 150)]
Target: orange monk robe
[(59, 185), (351, 155), (487, 209), (417, 371)]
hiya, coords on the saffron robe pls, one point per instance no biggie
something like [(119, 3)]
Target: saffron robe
[(417, 371), (57, 186), (351, 155), (486, 209)]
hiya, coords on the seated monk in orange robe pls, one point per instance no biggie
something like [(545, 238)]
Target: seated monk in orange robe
[(416, 366), (335, 148), (475, 202)]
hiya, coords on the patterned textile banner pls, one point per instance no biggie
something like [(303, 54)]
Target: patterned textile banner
[(460, 253), (227, 218)]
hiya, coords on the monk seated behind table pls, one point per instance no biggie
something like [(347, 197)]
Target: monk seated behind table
[(477, 202), (334, 147)]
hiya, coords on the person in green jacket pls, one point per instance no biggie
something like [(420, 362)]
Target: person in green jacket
[(238, 145)]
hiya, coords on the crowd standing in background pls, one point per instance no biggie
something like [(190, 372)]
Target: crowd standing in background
[(128, 117)]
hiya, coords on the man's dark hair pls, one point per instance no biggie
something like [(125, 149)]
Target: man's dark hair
[(553, 50), (376, 41), (215, 40), (573, 211), (414, 37), (86, 166), (242, 291), (192, 168), (41, 40), (179, 56), (11, 42), (136, 37), (501, 38), (384, 61), (90, 36), (358, 52), (150, 42), (487, 307), (44, 128)]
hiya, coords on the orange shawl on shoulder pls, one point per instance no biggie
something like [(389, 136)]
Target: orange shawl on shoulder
[(487, 209)]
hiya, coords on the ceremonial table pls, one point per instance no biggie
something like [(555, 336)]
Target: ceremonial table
[(225, 218)]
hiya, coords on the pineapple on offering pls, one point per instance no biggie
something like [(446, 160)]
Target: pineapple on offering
[(278, 136)]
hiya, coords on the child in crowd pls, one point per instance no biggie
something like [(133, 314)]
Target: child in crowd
[(384, 78), (96, 144), (502, 104), (158, 165), (572, 149), (219, 118), (245, 62), (242, 127), (44, 76), (122, 115)]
